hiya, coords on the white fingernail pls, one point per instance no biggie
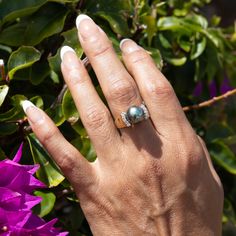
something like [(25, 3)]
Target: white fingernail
[(26, 104), (122, 42), (65, 49), (80, 18)]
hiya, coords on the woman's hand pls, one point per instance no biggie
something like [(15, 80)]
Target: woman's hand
[(155, 178)]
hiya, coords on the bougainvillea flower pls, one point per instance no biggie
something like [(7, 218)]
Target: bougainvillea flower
[(212, 87), (24, 223), (225, 86), (16, 200)]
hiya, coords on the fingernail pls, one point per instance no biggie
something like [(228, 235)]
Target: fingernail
[(86, 26), (80, 18), (33, 113), (129, 46), (69, 60), (64, 50)]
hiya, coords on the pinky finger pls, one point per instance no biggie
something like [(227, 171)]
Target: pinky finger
[(75, 167)]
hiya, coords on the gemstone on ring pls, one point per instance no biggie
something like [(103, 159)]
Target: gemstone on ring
[(135, 114)]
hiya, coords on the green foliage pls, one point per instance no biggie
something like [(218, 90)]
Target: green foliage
[(187, 46)]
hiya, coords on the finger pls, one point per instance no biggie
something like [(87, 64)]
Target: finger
[(159, 96), (94, 114), (118, 86), (209, 161), (75, 167)]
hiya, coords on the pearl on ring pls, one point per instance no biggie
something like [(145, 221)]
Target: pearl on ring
[(135, 114)]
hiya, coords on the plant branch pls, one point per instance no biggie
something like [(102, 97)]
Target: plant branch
[(2, 70), (210, 102)]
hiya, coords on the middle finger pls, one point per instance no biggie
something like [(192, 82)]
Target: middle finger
[(118, 86)]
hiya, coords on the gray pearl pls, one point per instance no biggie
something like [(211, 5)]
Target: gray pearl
[(135, 114)]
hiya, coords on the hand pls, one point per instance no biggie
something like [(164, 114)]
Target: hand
[(155, 178)]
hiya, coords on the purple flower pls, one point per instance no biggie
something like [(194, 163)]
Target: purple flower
[(225, 86), (16, 200), (212, 87), (198, 89)]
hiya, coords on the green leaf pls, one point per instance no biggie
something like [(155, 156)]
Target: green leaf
[(185, 25), (115, 13), (39, 71), (117, 22), (198, 49), (47, 204), (16, 112), (22, 58), (71, 39), (9, 115), (151, 29), (69, 109), (7, 128), (218, 131), (56, 114), (84, 145), (2, 154), (184, 43), (3, 93), (48, 20), (198, 20), (223, 155), (229, 214), (164, 41), (173, 24), (48, 172), (12, 9), (176, 61), (37, 101), (213, 37), (156, 56)]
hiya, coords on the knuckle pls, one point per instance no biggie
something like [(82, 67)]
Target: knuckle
[(66, 162), (48, 135), (99, 49), (160, 89), (123, 92), (76, 76), (192, 155), (139, 56), (96, 118)]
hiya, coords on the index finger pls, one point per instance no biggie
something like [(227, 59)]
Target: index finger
[(75, 167)]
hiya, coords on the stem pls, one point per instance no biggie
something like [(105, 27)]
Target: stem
[(210, 102), (2, 69)]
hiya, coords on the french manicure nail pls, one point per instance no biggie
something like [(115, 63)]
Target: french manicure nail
[(64, 50), (33, 113), (129, 46), (80, 18), (87, 28), (123, 41)]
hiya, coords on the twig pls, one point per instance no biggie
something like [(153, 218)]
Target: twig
[(80, 4), (210, 102), (2, 69)]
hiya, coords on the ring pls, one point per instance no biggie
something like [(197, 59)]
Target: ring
[(133, 115)]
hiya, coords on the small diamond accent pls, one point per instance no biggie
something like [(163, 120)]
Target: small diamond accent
[(124, 118), (145, 110)]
